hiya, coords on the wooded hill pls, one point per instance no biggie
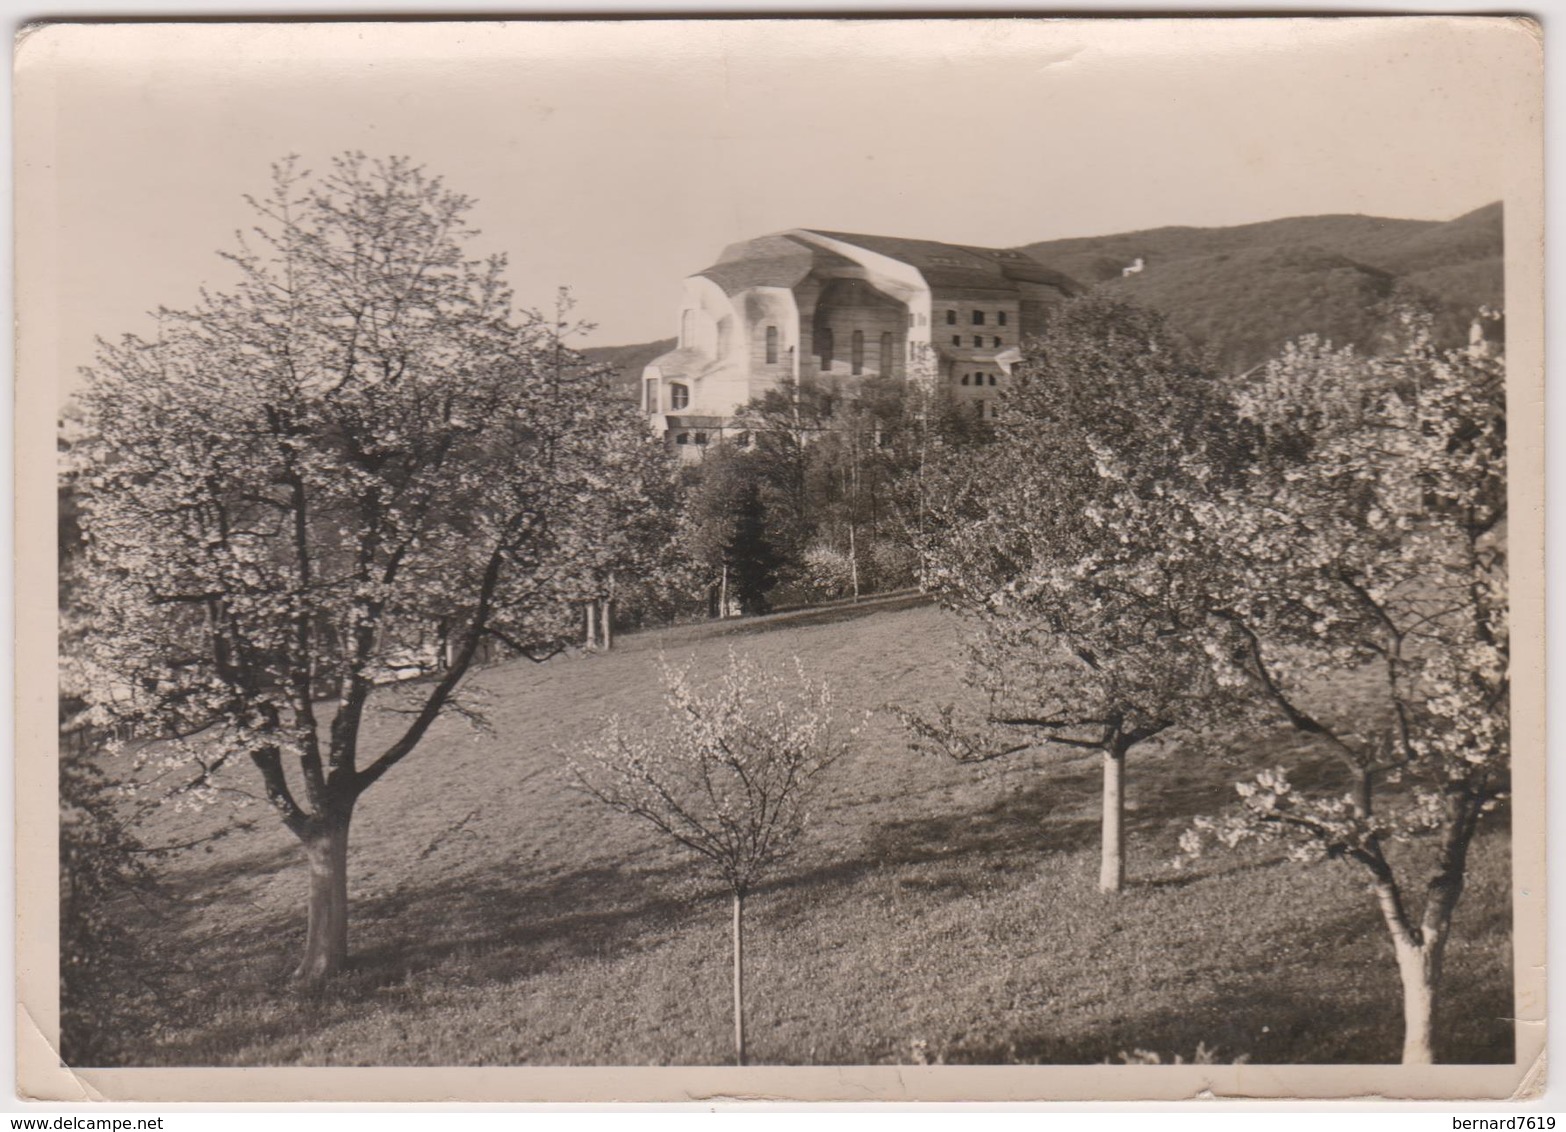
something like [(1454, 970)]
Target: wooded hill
[(1247, 289)]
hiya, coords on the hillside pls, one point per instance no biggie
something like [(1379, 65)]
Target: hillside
[(936, 912), (1247, 289), (628, 361)]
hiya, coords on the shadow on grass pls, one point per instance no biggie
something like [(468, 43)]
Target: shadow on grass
[(1058, 812), (491, 928), (1273, 1020)]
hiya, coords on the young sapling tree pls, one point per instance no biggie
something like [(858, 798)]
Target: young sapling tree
[(730, 777)]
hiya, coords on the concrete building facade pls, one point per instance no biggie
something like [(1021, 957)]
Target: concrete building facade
[(808, 304)]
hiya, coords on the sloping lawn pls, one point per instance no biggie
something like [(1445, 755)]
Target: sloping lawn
[(936, 912)]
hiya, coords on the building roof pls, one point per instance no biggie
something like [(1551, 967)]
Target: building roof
[(959, 266), (769, 261), (683, 360)]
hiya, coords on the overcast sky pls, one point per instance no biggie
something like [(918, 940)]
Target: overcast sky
[(618, 157)]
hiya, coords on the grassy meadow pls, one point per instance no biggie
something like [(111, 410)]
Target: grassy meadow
[(935, 912)]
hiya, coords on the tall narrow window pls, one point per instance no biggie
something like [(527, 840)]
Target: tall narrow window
[(856, 347), (965, 379), (992, 379), (652, 394), (951, 318), (687, 329), (995, 342), (978, 318), (679, 396), (772, 345), (884, 362), (826, 348), (1000, 318)]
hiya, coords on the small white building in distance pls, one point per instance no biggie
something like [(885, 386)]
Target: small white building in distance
[(807, 304)]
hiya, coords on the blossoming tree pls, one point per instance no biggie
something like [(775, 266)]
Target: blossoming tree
[(1368, 543), (730, 778), (356, 463), (1070, 545)]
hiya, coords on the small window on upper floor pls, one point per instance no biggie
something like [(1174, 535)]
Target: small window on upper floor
[(965, 379), (951, 318), (1000, 318), (772, 345), (995, 342), (679, 396), (956, 339), (978, 341), (992, 379), (978, 318)]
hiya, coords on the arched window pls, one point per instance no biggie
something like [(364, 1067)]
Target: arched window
[(772, 345), (687, 328), (884, 362), (679, 396), (826, 348), (856, 347)]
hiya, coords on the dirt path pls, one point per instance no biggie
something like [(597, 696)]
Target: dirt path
[(826, 614)]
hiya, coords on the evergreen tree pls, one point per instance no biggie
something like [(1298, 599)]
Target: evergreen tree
[(752, 562)]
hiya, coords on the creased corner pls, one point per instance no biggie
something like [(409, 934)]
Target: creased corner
[(40, 1073), (1531, 1087)]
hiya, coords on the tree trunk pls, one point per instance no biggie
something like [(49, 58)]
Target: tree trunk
[(1420, 968), (723, 593), (326, 937), (607, 607), (1112, 861), (591, 610), (739, 979), (853, 560)]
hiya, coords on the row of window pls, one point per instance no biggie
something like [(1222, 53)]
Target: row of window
[(978, 341), (826, 347), (977, 318), (976, 379)]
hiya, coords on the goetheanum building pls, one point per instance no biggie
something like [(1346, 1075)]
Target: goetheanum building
[(807, 304)]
